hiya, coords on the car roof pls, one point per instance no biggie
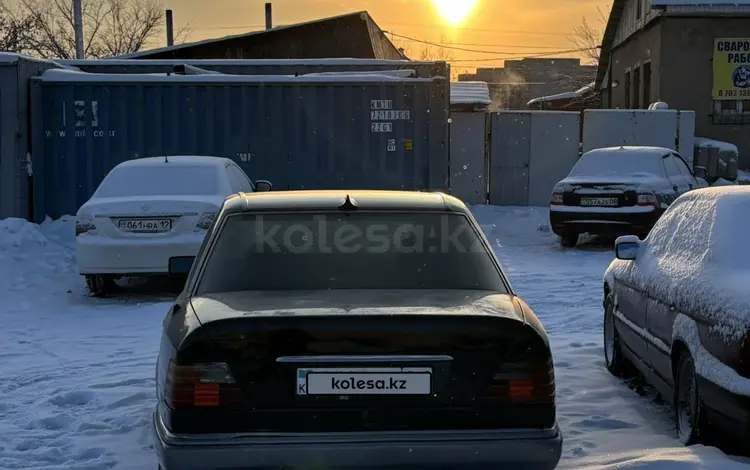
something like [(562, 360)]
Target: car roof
[(717, 194), (191, 160), (630, 150), (330, 200)]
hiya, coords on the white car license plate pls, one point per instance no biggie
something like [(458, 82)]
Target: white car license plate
[(599, 201), (145, 225), (367, 381)]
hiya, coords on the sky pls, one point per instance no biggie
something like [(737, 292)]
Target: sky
[(495, 27)]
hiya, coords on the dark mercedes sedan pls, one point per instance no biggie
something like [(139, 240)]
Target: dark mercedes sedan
[(359, 329)]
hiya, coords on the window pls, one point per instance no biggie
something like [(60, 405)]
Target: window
[(733, 112), (238, 180), (604, 162), (671, 166), (245, 183), (683, 167), (646, 85), (627, 90), (637, 87), (638, 9), (169, 179), (361, 250)]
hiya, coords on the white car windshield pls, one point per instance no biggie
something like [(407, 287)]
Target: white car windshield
[(619, 164), (166, 180)]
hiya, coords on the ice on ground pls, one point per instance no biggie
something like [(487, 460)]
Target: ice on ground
[(77, 374)]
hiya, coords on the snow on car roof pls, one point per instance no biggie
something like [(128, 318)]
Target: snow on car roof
[(193, 160), (621, 161), (694, 258), (629, 150)]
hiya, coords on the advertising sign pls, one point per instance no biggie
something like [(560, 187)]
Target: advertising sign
[(731, 79)]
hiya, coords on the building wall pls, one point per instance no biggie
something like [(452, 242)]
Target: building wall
[(633, 19), (687, 75), (629, 58)]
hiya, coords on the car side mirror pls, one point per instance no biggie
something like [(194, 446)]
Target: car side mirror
[(626, 247), (700, 172), (263, 186)]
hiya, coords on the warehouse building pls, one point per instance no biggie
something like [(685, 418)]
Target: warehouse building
[(354, 35)]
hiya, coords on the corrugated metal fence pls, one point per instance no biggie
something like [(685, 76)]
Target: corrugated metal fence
[(299, 133)]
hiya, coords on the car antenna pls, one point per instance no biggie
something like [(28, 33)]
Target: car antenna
[(349, 204), (166, 160)]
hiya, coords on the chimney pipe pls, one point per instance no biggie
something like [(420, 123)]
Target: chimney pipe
[(269, 13), (170, 28)]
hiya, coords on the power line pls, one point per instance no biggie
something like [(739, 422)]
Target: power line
[(512, 54), (523, 56), (447, 46)]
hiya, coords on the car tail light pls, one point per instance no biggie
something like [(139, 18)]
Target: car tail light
[(201, 385), (647, 199), (205, 220), (557, 199), (526, 376), (85, 224)]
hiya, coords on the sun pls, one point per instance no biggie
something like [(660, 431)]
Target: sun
[(454, 12)]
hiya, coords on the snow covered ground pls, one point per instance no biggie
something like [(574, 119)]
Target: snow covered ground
[(76, 373)]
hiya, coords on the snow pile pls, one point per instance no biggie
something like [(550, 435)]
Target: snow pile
[(37, 255), (695, 258)]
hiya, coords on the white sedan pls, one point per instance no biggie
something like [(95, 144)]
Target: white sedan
[(150, 215)]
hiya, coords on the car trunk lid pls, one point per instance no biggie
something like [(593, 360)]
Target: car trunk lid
[(367, 360)]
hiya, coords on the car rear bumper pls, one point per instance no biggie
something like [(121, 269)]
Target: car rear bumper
[(517, 449), (602, 221), (103, 255)]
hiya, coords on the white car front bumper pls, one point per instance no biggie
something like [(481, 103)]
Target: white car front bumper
[(98, 254)]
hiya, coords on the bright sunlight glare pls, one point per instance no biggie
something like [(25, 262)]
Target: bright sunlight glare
[(454, 12)]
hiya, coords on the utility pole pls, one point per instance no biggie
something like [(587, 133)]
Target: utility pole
[(78, 26), (269, 14), (170, 28)]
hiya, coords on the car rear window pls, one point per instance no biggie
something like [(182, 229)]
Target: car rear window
[(614, 163), (359, 250), (168, 180)]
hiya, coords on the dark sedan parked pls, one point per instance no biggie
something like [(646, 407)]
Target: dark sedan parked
[(618, 191), (353, 329), (676, 311)]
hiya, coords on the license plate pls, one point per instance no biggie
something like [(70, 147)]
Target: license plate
[(145, 225), (599, 201), (369, 381)]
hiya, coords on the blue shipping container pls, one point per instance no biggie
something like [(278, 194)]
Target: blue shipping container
[(367, 132), (15, 71)]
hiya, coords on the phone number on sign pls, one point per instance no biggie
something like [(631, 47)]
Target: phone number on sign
[(734, 93)]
